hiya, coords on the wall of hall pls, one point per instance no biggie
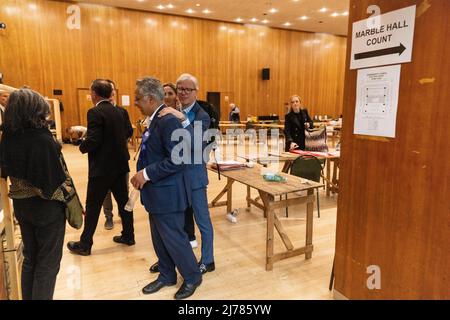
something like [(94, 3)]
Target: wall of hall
[(37, 49)]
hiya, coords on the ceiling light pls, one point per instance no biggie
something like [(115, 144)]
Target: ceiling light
[(303, 17), (197, 5), (253, 19), (265, 21), (206, 11), (323, 9), (190, 10), (239, 20), (273, 10), (160, 7), (170, 6), (287, 24), (140, 0), (334, 14)]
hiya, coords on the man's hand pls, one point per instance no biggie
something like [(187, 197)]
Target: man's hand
[(138, 180), (180, 115), (293, 146)]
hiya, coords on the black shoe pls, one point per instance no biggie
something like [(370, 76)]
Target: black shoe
[(109, 223), (204, 268), (76, 248), (155, 286), (187, 290), (120, 239), (154, 268)]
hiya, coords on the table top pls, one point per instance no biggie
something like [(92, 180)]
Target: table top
[(252, 177)]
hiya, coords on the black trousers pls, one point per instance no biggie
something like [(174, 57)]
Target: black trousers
[(189, 223), (43, 225), (96, 192)]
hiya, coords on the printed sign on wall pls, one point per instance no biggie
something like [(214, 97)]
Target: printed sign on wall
[(383, 39)]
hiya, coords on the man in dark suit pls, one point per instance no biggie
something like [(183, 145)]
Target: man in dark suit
[(197, 122), (162, 182), (108, 156), (107, 204)]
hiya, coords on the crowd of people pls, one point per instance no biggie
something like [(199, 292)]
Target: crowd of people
[(32, 159)]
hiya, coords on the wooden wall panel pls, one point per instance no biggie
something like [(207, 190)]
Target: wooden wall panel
[(38, 50), (393, 208), (3, 290)]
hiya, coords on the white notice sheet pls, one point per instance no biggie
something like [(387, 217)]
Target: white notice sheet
[(376, 101)]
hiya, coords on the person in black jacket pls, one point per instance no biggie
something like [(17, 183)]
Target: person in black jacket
[(107, 204), (295, 123), (107, 150), (30, 157)]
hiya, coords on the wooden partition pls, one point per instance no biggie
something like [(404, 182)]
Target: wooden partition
[(393, 207), (37, 49)]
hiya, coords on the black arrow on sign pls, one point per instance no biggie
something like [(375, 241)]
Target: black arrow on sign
[(382, 52)]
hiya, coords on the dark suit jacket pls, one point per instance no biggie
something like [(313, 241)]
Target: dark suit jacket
[(166, 191), (106, 142), (294, 130), (127, 122), (198, 175)]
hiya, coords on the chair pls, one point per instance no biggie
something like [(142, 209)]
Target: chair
[(311, 168)]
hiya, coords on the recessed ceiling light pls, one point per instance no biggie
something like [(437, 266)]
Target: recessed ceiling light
[(303, 17), (287, 24), (265, 21), (273, 10), (160, 7), (197, 5), (334, 14), (323, 9), (190, 10), (206, 11), (140, 0), (239, 20), (345, 13), (170, 6), (253, 19)]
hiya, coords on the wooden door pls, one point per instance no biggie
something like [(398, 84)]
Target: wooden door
[(84, 104)]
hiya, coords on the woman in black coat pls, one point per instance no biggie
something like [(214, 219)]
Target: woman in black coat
[(30, 157), (295, 123)]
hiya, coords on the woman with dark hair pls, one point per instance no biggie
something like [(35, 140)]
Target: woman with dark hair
[(170, 96), (30, 157), (295, 123)]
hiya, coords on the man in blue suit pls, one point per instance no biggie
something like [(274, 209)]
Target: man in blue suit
[(197, 121), (163, 183)]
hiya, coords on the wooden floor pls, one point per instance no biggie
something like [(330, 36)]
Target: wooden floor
[(116, 271)]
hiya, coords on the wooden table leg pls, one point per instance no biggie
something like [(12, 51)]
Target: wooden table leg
[(309, 223), (327, 187), (268, 200), (229, 194), (248, 197)]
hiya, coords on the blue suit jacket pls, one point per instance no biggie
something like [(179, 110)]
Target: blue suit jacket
[(166, 191), (197, 173)]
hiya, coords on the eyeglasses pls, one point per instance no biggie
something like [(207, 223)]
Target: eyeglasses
[(185, 90)]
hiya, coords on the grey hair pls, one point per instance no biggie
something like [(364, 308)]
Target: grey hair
[(190, 77), (150, 87), (25, 109)]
